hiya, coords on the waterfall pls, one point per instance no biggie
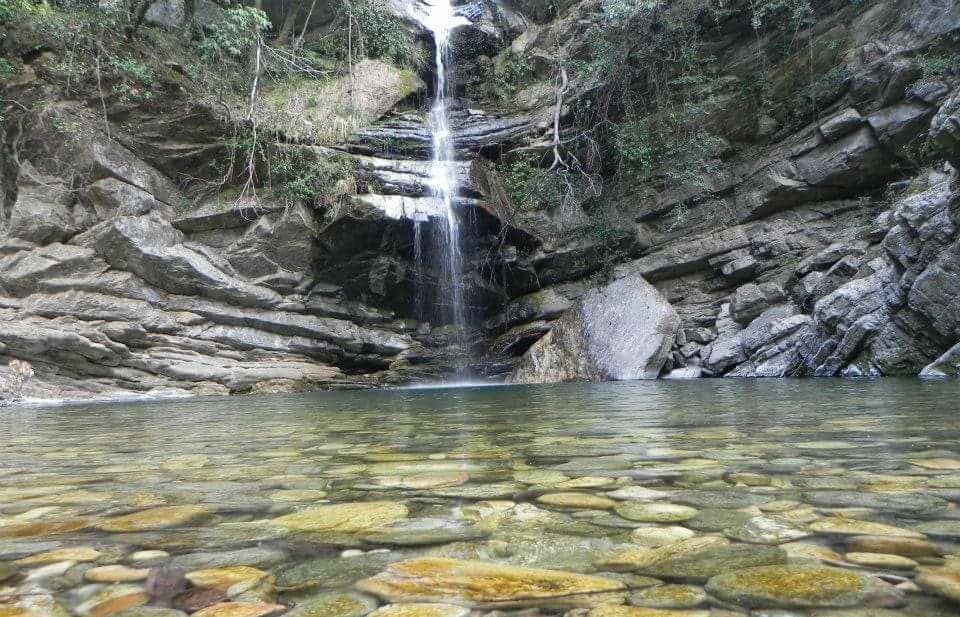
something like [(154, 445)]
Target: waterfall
[(440, 18)]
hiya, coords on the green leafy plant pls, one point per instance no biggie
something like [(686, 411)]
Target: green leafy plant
[(381, 33), (312, 180), (135, 79), (234, 33)]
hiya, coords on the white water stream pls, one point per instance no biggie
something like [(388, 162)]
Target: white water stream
[(439, 17)]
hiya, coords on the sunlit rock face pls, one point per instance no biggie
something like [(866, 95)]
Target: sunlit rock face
[(621, 331)]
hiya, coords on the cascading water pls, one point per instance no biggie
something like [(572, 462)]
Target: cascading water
[(440, 18)]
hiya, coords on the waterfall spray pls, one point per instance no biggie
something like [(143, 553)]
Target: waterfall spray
[(440, 18)]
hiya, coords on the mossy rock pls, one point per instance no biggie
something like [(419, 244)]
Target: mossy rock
[(794, 586)]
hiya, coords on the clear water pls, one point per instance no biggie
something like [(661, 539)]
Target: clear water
[(471, 467)]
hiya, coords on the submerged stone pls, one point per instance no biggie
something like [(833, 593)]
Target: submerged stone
[(421, 609), (344, 517), (330, 572), (424, 531), (654, 512), (577, 500), (717, 519), (225, 577), (641, 611), (334, 604), (116, 574), (906, 547), (794, 586), (849, 526), (78, 553), (480, 584), (941, 581), (113, 599), (701, 566), (654, 537), (669, 596), (765, 530), (155, 518), (881, 560), (240, 609), (949, 530)]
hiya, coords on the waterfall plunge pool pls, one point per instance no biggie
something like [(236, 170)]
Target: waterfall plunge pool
[(618, 499)]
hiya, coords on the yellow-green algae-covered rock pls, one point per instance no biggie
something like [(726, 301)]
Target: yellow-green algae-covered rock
[(240, 609), (344, 517), (479, 584), (155, 518), (640, 611), (855, 527), (334, 604), (797, 586), (225, 577), (655, 512), (941, 581), (577, 500), (421, 609), (76, 553)]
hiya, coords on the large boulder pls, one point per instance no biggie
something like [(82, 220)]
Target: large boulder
[(151, 248), (43, 211), (621, 331), (945, 130)]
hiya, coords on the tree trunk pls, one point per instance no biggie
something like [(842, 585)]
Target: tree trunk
[(286, 30)]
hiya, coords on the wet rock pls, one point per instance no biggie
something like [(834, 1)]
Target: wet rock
[(766, 530), (197, 599), (669, 596), (329, 572), (941, 581), (261, 557), (701, 566), (113, 599), (655, 512), (639, 611), (421, 610), (116, 574), (486, 585), (77, 553), (797, 586), (947, 364), (240, 609), (717, 519), (906, 547), (881, 561), (577, 500), (623, 331), (224, 578), (334, 604), (938, 529), (848, 526), (344, 517), (163, 517), (654, 537), (423, 532)]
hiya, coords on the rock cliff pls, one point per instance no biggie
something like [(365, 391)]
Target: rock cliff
[(810, 239)]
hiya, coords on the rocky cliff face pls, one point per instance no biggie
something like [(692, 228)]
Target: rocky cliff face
[(823, 244)]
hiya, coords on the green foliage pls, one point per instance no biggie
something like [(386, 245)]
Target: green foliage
[(509, 75), (795, 14), (234, 33), (7, 67), (634, 147), (533, 188), (936, 65), (517, 176), (135, 78), (381, 33), (315, 181)]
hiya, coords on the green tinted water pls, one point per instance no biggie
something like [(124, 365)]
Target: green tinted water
[(690, 497)]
